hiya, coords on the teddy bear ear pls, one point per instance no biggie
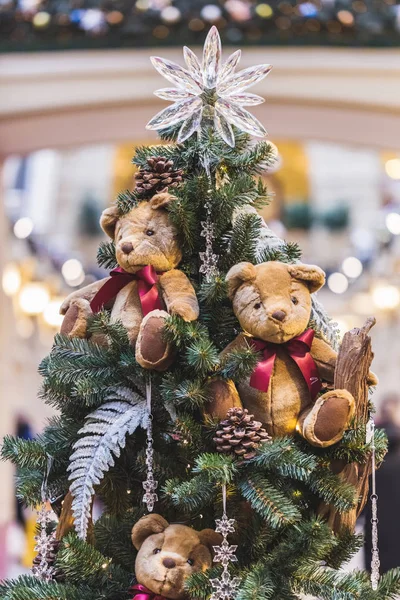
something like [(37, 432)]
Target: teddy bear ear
[(210, 538), (146, 526), (312, 275), (161, 200), (108, 220), (238, 274)]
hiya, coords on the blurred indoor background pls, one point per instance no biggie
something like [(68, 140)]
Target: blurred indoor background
[(76, 89)]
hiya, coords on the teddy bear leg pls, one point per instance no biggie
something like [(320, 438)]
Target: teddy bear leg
[(324, 424), (152, 351), (75, 320), (223, 395)]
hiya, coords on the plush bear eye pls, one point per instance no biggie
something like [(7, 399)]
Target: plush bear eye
[(156, 550), (295, 300), (190, 561), (257, 305), (149, 232)]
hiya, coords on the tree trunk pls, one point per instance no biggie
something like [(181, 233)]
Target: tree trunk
[(352, 368)]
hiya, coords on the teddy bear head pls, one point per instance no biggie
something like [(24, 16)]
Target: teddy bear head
[(169, 554), (272, 300), (144, 236)]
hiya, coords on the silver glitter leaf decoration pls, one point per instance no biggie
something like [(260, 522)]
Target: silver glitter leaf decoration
[(103, 436)]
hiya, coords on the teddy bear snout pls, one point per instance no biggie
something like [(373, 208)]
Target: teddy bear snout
[(169, 563), (127, 247), (279, 315)]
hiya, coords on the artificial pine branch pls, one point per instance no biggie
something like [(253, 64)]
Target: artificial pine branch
[(106, 255)]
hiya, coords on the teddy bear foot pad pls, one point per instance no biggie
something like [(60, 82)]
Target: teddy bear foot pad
[(326, 422)]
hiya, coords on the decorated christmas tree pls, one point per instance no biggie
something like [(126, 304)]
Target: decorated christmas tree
[(202, 400)]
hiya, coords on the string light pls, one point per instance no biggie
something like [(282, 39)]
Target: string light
[(23, 228), (264, 11), (211, 12), (345, 17), (171, 14)]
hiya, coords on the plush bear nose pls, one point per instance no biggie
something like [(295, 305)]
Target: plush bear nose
[(279, 315), (169, 563), (127, 247)]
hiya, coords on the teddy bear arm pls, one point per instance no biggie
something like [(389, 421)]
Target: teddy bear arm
[(325, 359), (179, 295), (86, 293)]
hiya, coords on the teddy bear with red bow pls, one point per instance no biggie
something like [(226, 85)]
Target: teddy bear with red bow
[(272, 302), (145, 288)]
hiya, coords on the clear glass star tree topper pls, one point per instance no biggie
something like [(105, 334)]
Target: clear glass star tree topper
[(210, 91)]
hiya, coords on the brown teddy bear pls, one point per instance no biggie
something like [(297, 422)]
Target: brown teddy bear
[(146, 282), (168, 555), (272, 302)]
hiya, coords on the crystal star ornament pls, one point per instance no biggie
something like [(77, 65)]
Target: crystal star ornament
[(209, 90)]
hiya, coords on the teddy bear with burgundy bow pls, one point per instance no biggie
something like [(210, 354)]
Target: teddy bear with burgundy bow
[(145, 288), (272, 302)]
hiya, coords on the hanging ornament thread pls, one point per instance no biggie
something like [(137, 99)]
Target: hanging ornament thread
[(150, 485), (375, 561), (45, 542), (226, 586)]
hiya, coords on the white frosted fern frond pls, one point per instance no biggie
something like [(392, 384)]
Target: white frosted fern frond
[(102, 438)]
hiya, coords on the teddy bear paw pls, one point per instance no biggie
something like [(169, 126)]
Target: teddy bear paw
[(328, 419), (152, 351), (75, 320)]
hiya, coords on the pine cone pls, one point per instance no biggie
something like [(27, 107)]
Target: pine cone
[(239, 434), (157, 177), (50, 559)]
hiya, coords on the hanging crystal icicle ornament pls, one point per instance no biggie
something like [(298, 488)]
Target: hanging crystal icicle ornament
[(44, 541), (375, 562), (225, 587), (150, 485), (209, 260), (210, 88)]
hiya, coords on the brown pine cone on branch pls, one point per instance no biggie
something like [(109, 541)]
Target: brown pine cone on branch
[(159, 176), (239, 434)]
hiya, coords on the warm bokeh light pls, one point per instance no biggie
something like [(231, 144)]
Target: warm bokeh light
[(392, 168), (23, 228), (393, 223), (33, 298), (51, 313), (352, 267), (386, 296), (338, 283), (73, 272), (11, 280)]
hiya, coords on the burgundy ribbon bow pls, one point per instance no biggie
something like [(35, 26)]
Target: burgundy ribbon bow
[(147, 279), (298, 349), (141, 592)]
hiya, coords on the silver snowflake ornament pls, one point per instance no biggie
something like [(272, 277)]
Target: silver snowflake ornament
[(225, 525), (209, 90), (224, 588), (225, 553)]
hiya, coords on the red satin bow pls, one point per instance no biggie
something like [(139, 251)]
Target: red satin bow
[(298, 349), (141, 592), (147, 279)]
